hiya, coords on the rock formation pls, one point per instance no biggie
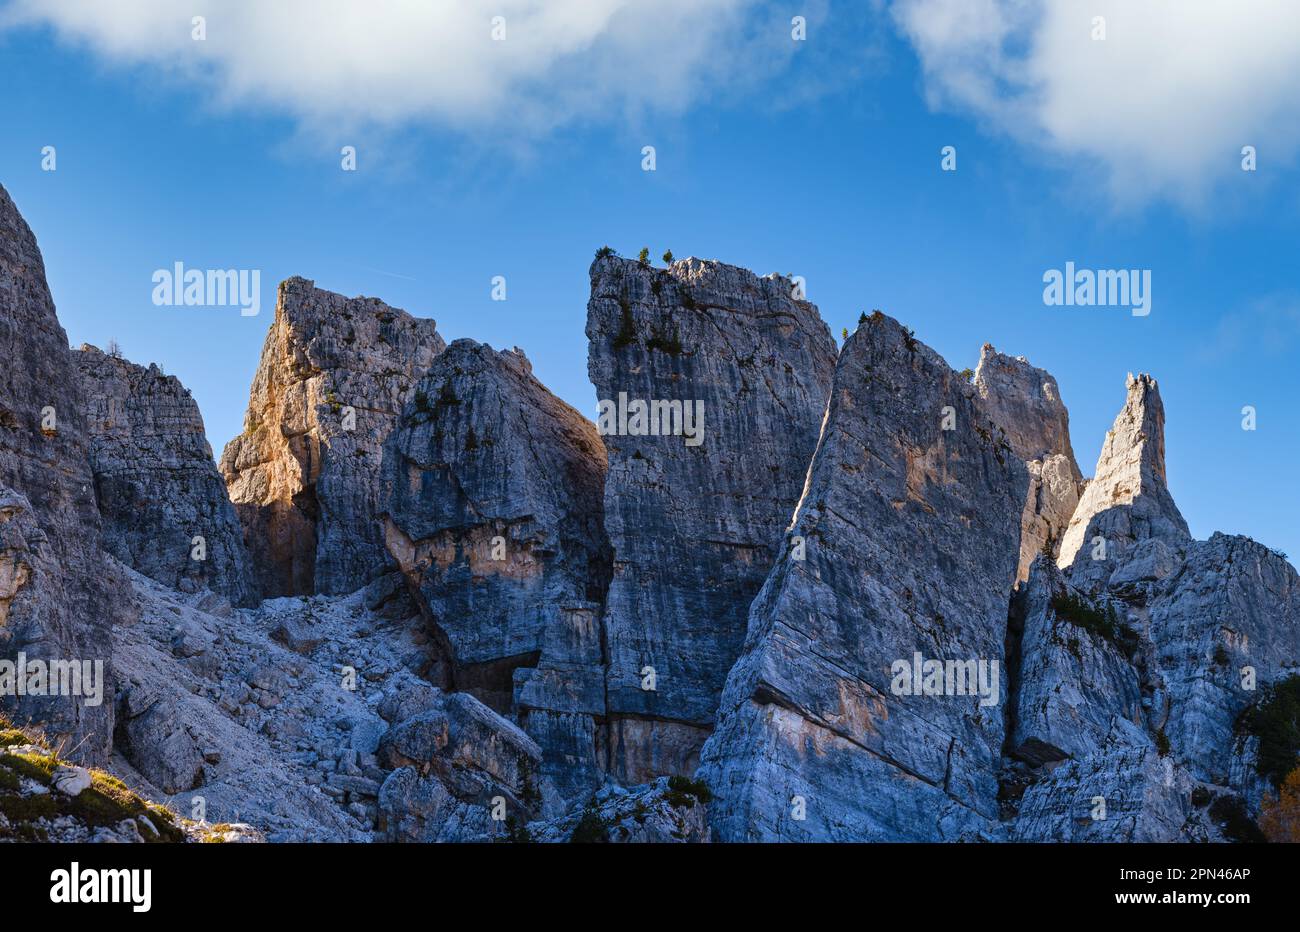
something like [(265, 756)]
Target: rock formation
[(452, 764), (694, 510), (304, 475), (902, 554), (1137, 664), (58, 598), (1128, 498), (1025, 403), (494, 496), (156, 482)]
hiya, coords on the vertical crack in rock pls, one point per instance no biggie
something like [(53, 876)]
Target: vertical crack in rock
[(304, 474), (912, 540), (694, 526), (158, 486), (495, 504), (59, 598)]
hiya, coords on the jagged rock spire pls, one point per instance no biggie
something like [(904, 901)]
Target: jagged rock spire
[(1128, 498), (494, 490), (695, 522), (304, 474)]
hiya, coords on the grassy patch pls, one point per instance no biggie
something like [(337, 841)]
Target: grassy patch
[(591, 829), (1105, 624), (683, 791)]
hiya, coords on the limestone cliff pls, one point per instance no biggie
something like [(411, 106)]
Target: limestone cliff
[(58, 598), (304, 474), (163, 503), (494, 505), (694, 511), (1128, 499), (902, 553), (1025, 403)]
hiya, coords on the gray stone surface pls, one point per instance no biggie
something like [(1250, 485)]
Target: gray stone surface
[(695, 528), (494, 490), (1025, 403), (1147, 720), (451, 766), (1072, 682), (304, 479), (1128, 499), (912, 540), (1124, 792), (157, 485), (58, 597)]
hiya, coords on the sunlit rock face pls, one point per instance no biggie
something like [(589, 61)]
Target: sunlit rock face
[(304, 474), (1025, 403)]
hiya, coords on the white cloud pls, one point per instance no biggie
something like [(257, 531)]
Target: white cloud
[(387, 62), (1163, 105)]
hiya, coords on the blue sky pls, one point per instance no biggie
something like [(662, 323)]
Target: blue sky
[(823, 162)]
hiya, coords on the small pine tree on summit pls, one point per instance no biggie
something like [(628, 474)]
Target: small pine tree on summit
[(644, 257), (668, 257)]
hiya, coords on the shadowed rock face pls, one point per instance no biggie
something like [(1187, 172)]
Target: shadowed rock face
[(158, 486), (695, 528), (494, 491), (304, 474), (911, 541), (58, 598), (1025, 403)]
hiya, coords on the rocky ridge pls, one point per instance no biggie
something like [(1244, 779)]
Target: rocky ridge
[(495, 492), (58, 594), (903, 547), (782, 589)]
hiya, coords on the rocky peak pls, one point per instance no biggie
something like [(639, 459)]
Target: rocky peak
[(902, 553), (494, 492), (694, 510), (1128, 498), (304, 474), (157, 484), (1025, 403)]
